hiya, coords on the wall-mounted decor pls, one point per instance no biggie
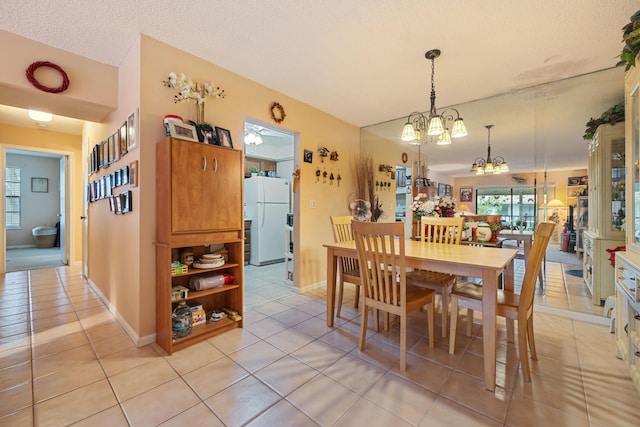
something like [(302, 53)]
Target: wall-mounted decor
[(308, 156), (39, 185), (224, 137), (30, 73), (448, 190), (466, 194), (277, 112), (132, 131), (578, 180), (133, 174), (123, 139), (183, 131), (442, 190)]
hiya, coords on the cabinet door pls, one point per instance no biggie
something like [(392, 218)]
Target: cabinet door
[(206, 187)]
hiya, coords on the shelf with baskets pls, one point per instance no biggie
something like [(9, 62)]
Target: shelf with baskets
[(193, 181)]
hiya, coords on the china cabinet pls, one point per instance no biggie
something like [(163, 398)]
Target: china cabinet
[(198, 206), (628, 263), (606, 203)]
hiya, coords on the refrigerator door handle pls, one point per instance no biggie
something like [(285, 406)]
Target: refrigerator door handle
[(261, 214)]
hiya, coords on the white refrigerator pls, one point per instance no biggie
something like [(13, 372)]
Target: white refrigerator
[(267, 204)]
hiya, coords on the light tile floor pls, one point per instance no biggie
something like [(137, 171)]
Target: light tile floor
[(65, 360)]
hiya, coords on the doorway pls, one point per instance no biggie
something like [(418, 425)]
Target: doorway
[(35, 209), (269, 165)]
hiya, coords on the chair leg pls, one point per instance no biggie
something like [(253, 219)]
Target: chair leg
[(445, 310), (454, 324), (531, 339), (363, 324), (510, 331), (523, 350), (469, 321), (431, 317), (357, 296), (403, 343), (340, 290)]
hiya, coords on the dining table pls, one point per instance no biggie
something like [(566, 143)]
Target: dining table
[(486, 263)]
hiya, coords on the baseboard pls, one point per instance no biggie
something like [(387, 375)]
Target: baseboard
[(139, 341), (584, 317)]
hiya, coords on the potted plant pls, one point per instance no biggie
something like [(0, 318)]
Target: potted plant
[(254, 171)]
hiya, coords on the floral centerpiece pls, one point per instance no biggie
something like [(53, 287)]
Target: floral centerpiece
[(422, 206), (188, 90)]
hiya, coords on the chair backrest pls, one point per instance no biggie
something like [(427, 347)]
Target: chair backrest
[(380, 246), (341, 228), (534, 263), (441, 229)]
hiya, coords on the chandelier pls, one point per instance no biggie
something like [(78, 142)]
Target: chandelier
[(496, 165), (418, 125)]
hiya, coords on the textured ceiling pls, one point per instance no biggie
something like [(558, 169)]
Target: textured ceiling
[(359, 60)]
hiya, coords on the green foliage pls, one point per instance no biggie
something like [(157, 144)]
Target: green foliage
[(612, 116), (631, 38)]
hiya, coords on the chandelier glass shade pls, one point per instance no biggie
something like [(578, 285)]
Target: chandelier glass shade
[(419, 125), (252, 138), (495, 165)]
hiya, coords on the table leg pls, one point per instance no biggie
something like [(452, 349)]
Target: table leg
[(489, 303), (332, 264)]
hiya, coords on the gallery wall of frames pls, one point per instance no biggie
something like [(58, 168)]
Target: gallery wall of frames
[(102, 156)]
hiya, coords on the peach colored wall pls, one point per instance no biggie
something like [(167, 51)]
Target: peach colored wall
[(116, 262), (59, 143), (90, 95), (247, 99)]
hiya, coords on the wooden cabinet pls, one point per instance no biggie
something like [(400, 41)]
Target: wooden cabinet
[(205, 192), (627, 308), (606, 203), (632, 139), (198, 205)]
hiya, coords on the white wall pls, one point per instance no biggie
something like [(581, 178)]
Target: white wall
[(37, 208)]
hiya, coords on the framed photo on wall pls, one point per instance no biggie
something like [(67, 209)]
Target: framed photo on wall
[(442, 189), (39, 185), (123, 139), (132, 131), (466, 194)]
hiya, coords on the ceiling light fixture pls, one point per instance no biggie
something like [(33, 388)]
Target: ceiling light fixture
[(39, 116), (496, 165), (252, 138), (419, 125)]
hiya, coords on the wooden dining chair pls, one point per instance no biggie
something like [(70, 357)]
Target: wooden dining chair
[(510, 305), (380, 246), (348, 268), (443, 231)]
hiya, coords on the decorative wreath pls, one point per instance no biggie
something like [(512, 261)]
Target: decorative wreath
[(30, 76), (277, 112)]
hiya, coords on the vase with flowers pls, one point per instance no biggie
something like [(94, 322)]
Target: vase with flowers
[(190, 91), (422, 206)]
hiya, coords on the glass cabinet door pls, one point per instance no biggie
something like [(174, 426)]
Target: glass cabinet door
[(634, 221), (617, 185)]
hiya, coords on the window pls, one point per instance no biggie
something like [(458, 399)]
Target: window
[(516, 206), (12, 198)]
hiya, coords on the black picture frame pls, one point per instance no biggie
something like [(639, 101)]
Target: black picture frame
[(448, 190), (223, 137), (466, 194), (123, 139), (308, 156)]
